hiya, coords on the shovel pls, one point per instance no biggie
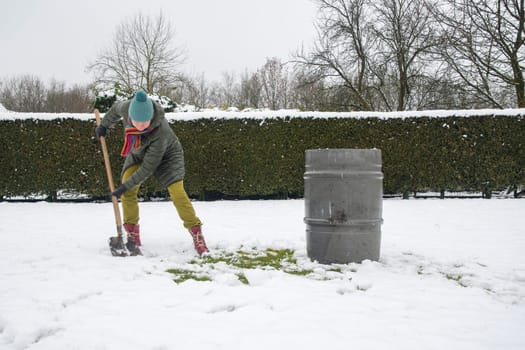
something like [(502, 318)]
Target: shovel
[(116, 243)]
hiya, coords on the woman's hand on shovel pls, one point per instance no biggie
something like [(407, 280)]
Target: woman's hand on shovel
[(100, 131), (118, 192)]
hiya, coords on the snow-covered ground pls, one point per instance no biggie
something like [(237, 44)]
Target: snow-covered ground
[(451, 276)]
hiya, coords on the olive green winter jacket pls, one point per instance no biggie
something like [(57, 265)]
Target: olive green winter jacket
[(160, 152)]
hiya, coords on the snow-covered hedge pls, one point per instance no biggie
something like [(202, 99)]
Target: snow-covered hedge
[(261, 153), (263, 114)]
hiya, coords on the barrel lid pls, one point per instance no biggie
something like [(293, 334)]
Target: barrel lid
[(335, 158)]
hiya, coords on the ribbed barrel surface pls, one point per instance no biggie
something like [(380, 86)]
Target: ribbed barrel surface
[(343, 193)]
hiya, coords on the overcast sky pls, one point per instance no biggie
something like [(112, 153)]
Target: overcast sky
[(58, 38)]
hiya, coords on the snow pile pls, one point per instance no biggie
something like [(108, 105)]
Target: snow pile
[(3, 109), (451, 276)]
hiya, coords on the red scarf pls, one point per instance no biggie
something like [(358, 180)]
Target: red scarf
[(132, 139)]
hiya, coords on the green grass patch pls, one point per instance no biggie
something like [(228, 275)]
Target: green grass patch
[(239, 261), (269, 258), (182, 275), (242, 278), (456, 278)]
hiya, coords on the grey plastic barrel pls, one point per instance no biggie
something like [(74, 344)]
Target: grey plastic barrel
[(343, 195)]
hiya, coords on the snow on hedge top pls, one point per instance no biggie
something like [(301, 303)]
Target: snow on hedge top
[(291, 113)]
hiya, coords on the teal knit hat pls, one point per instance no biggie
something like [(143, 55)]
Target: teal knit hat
[(141, 107)]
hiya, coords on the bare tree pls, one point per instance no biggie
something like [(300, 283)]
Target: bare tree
[(26, 93), (142, 55), (250, 91), (378, 51), (485, 46), (227, 91), (343, 47), (405, 30), (193, 91), (308, 92), (60, 99), (274, 82), (55, 100)]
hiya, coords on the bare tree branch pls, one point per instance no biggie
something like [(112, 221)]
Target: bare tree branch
[(486, 46), (142, 55)]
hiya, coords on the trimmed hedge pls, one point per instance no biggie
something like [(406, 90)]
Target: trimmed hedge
[(248, 158)]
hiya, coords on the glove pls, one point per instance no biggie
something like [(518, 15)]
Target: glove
[(100, 131), (118, 192)]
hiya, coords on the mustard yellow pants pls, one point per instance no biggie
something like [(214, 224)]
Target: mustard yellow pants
[(130, 205)]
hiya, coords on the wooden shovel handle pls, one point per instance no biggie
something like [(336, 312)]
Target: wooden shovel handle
[(118, 219)]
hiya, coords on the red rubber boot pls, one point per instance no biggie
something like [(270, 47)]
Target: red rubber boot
[(134, 232), (198, 240)]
